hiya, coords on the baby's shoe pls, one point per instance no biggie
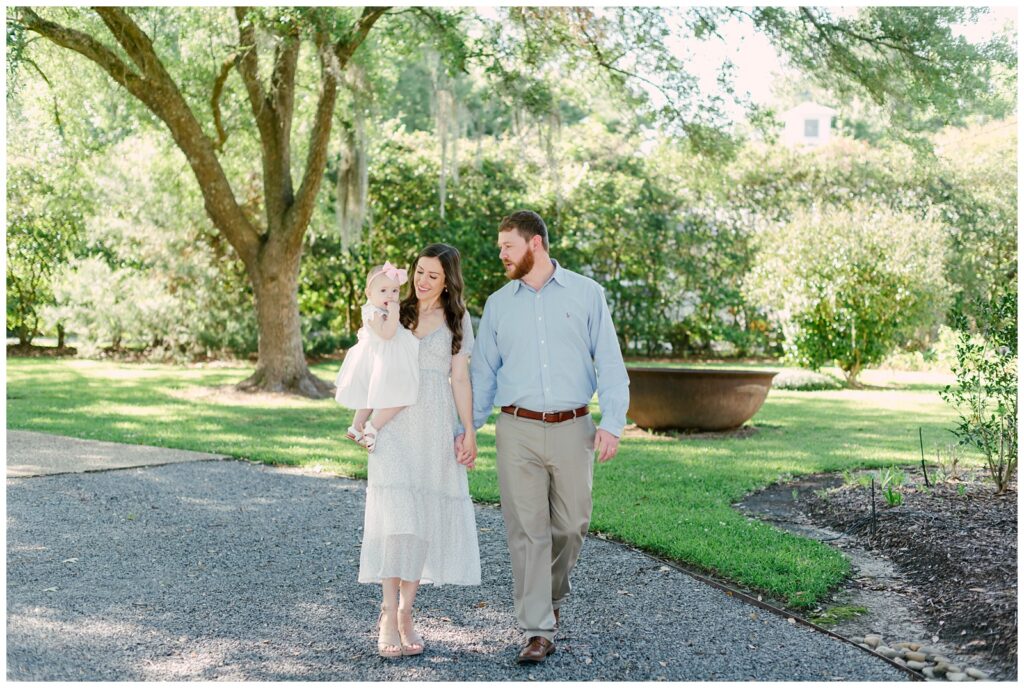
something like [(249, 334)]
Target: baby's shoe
[(354, 435)]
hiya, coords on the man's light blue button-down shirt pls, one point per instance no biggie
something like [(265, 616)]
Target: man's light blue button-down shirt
[(549, 350)]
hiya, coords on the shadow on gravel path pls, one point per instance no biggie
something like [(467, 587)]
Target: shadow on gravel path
[(225, 570)]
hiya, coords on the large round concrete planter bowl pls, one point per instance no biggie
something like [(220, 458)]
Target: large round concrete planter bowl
[(695, 399)]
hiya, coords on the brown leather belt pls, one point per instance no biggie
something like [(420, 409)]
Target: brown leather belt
[(547, 416)]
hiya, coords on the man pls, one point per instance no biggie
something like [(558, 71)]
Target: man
[(546, 343)]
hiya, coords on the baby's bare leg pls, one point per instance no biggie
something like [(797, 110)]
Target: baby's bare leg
[(382, 416), (360, 418)]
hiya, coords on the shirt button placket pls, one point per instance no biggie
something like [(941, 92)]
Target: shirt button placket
[(544, 357)]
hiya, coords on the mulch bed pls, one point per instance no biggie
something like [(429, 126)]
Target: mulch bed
[(33, 351), (957, 543)]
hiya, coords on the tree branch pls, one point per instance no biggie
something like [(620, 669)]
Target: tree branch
[(274, 128), (218, 88), (282, 97), (839, 53), (134, 41), (87, 46), (875, 42), (248, 67), (708, 25), (316, 159), (160, 94), (333, 60), (602, 61), (56, 106), (344, 49), (283, 80)]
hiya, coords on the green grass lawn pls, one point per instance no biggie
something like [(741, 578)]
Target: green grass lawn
[(669, 497)]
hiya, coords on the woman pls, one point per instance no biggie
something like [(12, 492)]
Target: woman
[(419, 524)]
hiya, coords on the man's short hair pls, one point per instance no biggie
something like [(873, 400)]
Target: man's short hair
[(527, 223)]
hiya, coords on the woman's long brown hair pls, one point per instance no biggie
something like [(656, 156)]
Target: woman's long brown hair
[(451, 297)]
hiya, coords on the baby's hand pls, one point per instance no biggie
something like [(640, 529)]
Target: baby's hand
[(392, 308)]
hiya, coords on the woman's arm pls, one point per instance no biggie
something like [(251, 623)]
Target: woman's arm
[(463, 393)]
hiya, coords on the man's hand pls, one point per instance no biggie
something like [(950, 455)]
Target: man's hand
[(465, 450), (606, 445)]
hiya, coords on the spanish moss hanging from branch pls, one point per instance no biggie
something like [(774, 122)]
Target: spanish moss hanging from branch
[(445, 126), (478, 134), (551, 136), (460, 129), (353, 170)]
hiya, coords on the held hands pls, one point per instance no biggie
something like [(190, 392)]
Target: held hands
[(606, 445), (465, 449)]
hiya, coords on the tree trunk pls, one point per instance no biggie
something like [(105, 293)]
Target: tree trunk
[(282, 364), (271, 254), (60, 336), (851, 377)]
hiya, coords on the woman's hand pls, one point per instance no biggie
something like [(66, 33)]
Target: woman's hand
[(465, 449)]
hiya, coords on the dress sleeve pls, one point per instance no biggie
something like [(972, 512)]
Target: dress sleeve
[(467, 336), (369, 313)]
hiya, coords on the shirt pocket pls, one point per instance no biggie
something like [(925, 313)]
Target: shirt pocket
[(573, 327)]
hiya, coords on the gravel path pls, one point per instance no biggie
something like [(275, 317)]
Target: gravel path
[(225, 570)]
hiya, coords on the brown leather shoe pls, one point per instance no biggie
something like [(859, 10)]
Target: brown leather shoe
[(536, 651)]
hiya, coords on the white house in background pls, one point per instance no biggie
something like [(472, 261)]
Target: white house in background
[(807, 124)]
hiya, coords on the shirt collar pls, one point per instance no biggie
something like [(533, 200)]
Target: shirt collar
[(558, 276)]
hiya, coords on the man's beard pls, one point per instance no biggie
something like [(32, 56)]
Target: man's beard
[(522, 268)]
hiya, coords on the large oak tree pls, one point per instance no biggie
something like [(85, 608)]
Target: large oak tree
[(905, 56)]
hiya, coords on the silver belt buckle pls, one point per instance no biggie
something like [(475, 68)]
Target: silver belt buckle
[(544, 416)]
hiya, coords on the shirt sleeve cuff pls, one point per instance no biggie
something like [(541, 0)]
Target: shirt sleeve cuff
[(614, 428)]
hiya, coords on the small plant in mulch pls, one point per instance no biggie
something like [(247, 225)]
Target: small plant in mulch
[(893, 497), (947, 462), (887, 481)]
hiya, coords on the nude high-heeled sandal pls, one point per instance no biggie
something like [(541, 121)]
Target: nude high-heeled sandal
[(412, 642), (389, 645)]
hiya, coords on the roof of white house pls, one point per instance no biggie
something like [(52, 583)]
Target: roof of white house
[(809, 109)]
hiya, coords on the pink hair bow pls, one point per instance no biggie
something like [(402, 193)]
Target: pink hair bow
[(398, 274)]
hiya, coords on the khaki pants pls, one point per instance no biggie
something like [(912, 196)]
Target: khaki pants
[(545, 472)]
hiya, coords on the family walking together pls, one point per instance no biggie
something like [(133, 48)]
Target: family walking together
[(422, 384)]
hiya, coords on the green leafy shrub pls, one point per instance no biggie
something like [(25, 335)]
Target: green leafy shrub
[(940, 354), (156, 277), (849, 284), (45, 225), (986, 392)]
